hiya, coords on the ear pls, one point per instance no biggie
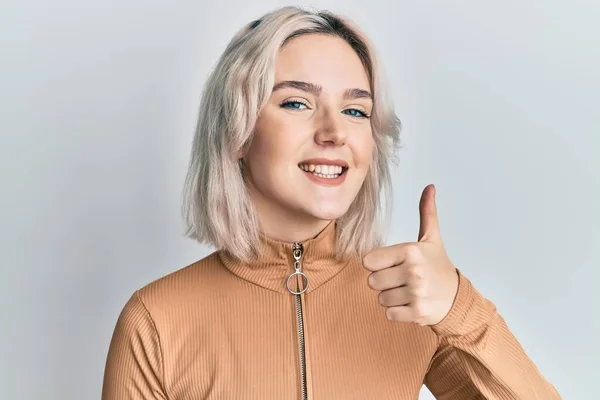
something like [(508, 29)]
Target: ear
[(240, 157), (241, 153)]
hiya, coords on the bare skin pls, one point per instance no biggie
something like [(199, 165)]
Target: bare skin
[(325, 125), (311, 116), (416, 280)]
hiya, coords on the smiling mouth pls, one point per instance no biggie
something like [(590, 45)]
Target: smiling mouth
[(324, 171)]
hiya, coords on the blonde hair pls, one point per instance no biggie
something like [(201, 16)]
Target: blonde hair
[(216, 204)]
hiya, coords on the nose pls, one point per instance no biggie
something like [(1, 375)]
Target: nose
[(330, 130)]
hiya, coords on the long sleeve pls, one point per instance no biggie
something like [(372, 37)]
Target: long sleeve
[(134, 367), (479, 358)]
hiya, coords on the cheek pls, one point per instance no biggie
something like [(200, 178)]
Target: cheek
[(265, 146), (362, 148), (277, 137), (274, 145)]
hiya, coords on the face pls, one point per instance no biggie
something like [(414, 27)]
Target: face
[(313, 142)]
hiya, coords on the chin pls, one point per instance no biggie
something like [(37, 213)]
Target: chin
[(328, 212)]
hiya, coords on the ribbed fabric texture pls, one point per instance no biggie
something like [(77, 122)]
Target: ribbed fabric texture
[(223, 329)]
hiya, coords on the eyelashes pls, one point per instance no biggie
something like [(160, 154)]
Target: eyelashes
[(297, 104), (287, 104)]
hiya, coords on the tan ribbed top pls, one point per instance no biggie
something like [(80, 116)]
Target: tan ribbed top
[(223, 329)]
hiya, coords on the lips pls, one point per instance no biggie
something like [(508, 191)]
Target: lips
[(325, 161), (327, 167), (325, 171)]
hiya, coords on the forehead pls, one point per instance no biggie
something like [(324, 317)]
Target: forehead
[(322, 59)]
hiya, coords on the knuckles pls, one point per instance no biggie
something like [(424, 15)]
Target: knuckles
[(415, 293), (415, 273), (419, 311), (418, 291), (413, 253)]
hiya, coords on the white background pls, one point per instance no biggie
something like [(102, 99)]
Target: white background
[(98, 101)]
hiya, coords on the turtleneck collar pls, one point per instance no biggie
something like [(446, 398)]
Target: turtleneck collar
[(276, 262)]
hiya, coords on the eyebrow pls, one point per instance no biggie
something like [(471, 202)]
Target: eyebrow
[(317, 89)]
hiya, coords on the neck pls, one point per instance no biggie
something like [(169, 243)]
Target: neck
[(288, 230), (282, 225), (272, 268)]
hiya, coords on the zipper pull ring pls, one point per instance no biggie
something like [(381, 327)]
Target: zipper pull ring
[(297, 253)]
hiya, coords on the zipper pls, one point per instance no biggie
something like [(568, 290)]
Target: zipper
[(297, 251)]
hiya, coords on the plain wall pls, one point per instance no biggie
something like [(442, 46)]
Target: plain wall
[(98, 101)]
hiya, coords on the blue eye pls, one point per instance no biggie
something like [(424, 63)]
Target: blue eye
[(357, 113), (297, 105), (293, 105)]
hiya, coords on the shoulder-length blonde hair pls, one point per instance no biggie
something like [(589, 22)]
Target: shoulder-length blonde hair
[(216, 204)]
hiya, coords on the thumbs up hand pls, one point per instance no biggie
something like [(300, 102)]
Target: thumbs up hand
[(417, 280)]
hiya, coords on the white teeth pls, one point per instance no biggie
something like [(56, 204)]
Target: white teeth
[(323, 171)]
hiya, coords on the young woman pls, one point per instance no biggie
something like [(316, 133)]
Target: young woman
[(289, 161)]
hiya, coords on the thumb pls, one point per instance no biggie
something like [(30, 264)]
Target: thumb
[(429, 227)]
